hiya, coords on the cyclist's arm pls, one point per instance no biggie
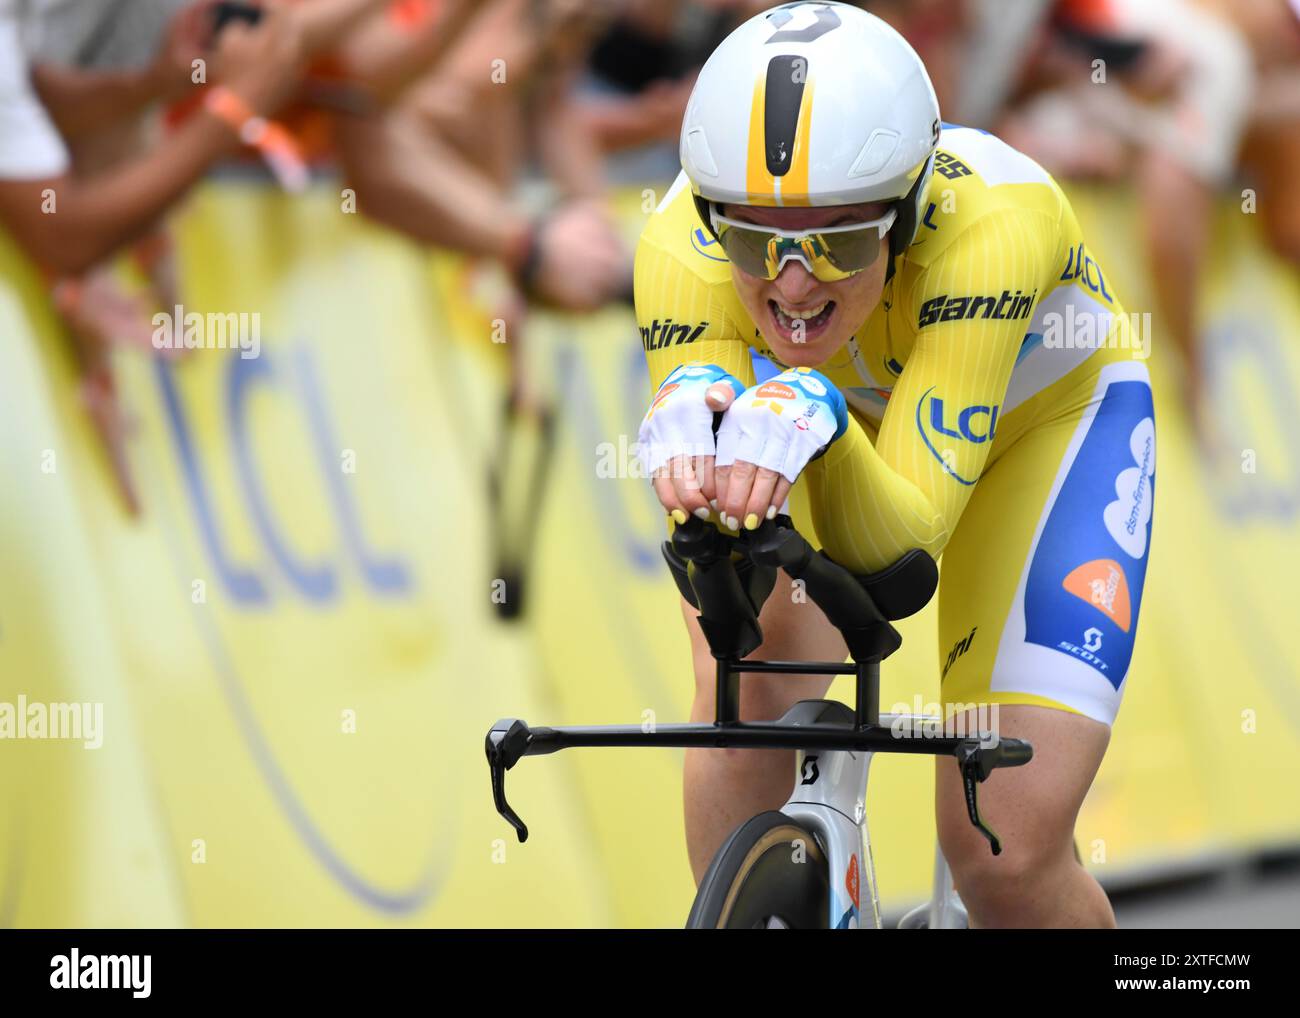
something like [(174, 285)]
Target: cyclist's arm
[(682, 320), (870, 504)]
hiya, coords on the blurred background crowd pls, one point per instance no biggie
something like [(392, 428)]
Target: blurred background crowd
[(495, 127)]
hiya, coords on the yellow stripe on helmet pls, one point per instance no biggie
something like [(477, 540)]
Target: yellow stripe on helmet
[(759, 183), (761, 186), (794, 185)]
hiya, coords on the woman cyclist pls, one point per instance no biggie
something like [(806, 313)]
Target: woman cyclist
[(943, 365)]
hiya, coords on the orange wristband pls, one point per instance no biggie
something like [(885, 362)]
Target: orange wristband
[(276, 145)]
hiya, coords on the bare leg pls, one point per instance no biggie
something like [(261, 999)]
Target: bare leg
[(1037, 881), (725, 787)]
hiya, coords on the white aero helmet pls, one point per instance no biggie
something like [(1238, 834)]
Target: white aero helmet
[(812, 104)]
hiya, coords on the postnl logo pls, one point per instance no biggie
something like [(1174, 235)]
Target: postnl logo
[(664, 392), (1102, 584), (776, 390), (851, 882)]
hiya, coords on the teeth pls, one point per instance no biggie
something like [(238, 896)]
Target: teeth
[(805, 315)]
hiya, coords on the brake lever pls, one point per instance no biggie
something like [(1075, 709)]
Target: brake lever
[(505, 744), (974, 769)]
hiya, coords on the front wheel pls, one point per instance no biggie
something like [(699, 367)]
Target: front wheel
[(770, 874)]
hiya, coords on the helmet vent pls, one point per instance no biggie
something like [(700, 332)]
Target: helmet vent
[(701, 156), (782, 97), (875, 153)]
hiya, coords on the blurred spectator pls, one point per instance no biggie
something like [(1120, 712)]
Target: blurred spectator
[(1271, 150), (69, 221), (68, 213), (80, 78), (1158, 91), (442, 161), (938, 30), (642, 69)]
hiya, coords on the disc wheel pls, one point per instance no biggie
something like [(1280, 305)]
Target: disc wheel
[(770, 874)]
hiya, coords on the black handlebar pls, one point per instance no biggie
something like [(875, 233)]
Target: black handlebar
[(860, 607), (728, 578)]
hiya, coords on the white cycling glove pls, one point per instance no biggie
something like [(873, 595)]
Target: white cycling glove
[(679, 421), (783, 423)]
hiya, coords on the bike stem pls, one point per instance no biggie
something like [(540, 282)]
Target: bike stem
[(867, 684)]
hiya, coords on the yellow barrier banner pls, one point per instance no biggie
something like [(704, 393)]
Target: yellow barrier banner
[(295, 652)]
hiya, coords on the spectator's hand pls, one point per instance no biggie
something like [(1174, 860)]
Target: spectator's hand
[(1158, 72), (662, 105), (567, 28), (262, 63), (171, 73), (583, 261)]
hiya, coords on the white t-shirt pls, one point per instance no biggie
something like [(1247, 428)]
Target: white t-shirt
[(30, 145), (103, 35)]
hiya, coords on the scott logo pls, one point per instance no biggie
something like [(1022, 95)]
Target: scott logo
[(810, 771)]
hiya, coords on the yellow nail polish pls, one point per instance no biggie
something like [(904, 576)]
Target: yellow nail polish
[(751, 521), (679, 516)]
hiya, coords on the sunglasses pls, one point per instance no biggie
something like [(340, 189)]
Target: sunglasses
[(830, 253)]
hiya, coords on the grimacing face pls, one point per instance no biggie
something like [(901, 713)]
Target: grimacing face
[(841, 307)]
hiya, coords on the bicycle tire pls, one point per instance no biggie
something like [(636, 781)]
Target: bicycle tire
[(755, 879)]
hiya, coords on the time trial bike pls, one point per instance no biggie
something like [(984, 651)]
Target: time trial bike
[(807, 865)]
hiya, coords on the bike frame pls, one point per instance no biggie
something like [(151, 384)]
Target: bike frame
[(829, 798)]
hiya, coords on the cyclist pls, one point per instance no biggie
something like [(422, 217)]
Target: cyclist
[(955, 374)]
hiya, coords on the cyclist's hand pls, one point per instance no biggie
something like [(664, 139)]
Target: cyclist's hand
[(676, 437), (583, 261), (766, 439)]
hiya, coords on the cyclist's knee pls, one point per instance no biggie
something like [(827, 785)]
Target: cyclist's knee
[(998, 888)]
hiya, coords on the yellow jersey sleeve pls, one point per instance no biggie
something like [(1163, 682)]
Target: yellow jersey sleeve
[(684, 317), (968, 310)]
